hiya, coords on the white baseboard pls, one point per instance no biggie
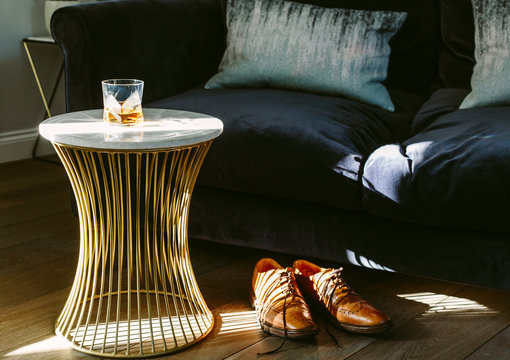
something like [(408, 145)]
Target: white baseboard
[(18, 145)]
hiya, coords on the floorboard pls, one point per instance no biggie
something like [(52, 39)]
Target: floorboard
[(33, 229), (497, 348)]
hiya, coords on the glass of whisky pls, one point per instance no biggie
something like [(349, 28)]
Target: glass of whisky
[(122, 100)]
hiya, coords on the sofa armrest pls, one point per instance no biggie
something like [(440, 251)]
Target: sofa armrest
[(172, 45)]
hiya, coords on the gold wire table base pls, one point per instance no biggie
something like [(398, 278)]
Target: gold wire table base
[(134, 292)]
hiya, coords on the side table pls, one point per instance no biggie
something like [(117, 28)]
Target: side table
[(134, 292), (46, 40)]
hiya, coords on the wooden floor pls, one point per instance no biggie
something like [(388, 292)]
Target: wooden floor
[(38, 254)]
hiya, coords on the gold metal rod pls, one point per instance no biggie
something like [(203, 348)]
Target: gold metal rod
[(83, 210), (173, 275), (79, 311), (36, 76), (191, 275), (155, 201), (117, 201), (109, 243), (100, 244), (93, 253), (138, 250), (204, 309), (162, 236), (149, 163), (125, 292), (129, 261), (63, 155), (167, 259), (175, 241), (94, 277), (198, 160), (180, 195)]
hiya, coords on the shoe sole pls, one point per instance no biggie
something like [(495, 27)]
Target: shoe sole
[(291, 334), (359, 329)]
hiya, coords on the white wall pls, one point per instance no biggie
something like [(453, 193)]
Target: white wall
[(21, 107)]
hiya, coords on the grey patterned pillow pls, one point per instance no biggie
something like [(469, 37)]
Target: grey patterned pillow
[(282, 44), (490, 82)]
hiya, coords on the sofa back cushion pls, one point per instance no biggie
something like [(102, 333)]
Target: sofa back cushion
[(414, 49), (490, 82), (283, 44), (457, 57)]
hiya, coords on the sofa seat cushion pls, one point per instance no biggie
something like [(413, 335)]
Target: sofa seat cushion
[(454, 173), (441, 102), (293, 144)]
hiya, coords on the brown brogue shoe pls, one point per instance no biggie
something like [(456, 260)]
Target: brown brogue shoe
[(326, 288), (281, 309)]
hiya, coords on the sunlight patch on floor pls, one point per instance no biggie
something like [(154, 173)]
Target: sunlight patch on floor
[(159, 334), (231, 323), (449, 306), (238, 322), (48, 345)]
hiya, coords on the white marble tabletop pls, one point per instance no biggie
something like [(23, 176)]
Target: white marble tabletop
[(161, 129)]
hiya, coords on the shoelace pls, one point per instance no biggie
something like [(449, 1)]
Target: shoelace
[(287, 288), (337, 280)]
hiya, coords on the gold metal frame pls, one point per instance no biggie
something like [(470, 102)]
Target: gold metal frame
[(49, 102), (134, 292)]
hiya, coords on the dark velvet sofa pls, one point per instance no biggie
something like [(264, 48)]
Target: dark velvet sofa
[(424, 190)]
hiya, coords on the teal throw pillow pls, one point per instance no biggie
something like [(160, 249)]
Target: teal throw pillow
[(282, 44), (490, 82)]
